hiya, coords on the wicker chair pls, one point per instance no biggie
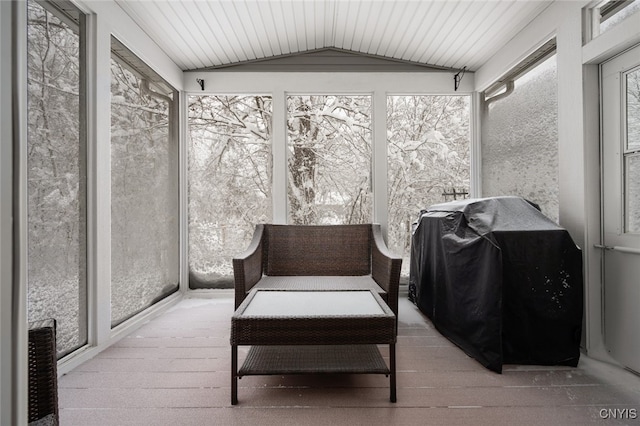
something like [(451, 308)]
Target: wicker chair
[(43, 373), (318, 257)]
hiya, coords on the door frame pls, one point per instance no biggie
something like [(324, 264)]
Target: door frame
[(615, 241)]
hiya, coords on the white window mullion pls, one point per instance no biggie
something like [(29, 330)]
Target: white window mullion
[(279, 152), (379, 163), (14, 353), (475, 154), (183, 182), (100, 315)]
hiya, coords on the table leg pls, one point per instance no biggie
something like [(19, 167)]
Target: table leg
[(392, 368), (234, 374)]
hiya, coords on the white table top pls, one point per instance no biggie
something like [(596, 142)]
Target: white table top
[(313, 303)]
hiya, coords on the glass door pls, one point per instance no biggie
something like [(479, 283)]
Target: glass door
[(621, 205)]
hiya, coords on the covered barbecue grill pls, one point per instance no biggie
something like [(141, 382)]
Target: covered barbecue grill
[(500, 280)]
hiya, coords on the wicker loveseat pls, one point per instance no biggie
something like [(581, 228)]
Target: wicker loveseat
[(43, 374), (318, 257)]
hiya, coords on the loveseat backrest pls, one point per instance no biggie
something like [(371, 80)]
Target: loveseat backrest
[(317, 250)]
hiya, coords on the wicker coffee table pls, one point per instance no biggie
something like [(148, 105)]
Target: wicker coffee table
[(307, 332)]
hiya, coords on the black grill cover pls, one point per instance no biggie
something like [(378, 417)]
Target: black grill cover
[(500, 280)]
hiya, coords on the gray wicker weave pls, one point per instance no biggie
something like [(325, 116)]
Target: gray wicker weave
[(331, 257), (294, 342), (312, 359)]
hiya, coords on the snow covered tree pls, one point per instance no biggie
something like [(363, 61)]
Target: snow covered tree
[(144, 190), (56, 176), (230, 175), (632, 167), (428, 149), (329, 140)]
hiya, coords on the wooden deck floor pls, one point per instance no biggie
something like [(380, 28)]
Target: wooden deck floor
[(175, 370)]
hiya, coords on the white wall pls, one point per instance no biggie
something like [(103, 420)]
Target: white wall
[(578, 134)]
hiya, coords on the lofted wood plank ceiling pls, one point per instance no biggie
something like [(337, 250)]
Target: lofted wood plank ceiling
[(198, 34)]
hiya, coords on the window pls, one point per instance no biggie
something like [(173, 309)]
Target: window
[(632, 151), (428, 153), (144, 186), (230, 177), (329, 159), (520, 138), (607, 14), (57, 283), (632, 120)]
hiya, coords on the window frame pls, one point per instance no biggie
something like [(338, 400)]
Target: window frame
[(377, 84), (473, 185), (151, 80), (503, 88), (628, 155), (287, 144), (194, 283), (600, 12), (66, 12)]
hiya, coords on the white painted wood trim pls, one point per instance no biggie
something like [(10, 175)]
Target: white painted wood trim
[(20, 252), (183, 191), (380, 162), (377, 85), (614, 41), (279, 156), (112, 18), (85, 353), (13, 319), (528, 40), (105, 19), (475, 154), (92, 177), (593, 294), (100, 315), (571, 163), (229, 82), (6, 218)]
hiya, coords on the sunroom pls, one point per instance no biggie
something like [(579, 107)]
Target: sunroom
[(142, 141)]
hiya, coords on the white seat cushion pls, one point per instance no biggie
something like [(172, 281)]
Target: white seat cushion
[(315, 282)]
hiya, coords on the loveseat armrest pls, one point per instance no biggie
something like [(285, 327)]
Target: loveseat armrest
[(385, 267), (247, 267)]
